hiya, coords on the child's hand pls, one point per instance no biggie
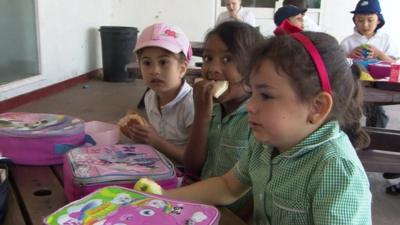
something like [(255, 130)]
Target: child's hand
[(357, 53), (203, 97), (141, 134), (375, 53)]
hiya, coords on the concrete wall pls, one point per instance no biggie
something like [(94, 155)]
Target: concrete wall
[(195, 17), (70, 43)]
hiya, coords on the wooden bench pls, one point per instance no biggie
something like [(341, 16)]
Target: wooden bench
[(383, 154), (37, 191)]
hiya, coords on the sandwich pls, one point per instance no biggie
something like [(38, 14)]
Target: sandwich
[(132, 118), (220, 86)]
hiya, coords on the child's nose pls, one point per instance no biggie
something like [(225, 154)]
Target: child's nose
[(250, 107), (155, 70), (214, 71)]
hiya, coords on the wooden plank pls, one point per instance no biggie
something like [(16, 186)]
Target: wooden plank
[(229, 218), (14, 214), (40, 191), (384, 139), (380, 161)]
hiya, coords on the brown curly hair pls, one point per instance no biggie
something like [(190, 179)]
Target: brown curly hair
[(290, 57)]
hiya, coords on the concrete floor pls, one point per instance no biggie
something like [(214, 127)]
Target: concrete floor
[(105, 101)]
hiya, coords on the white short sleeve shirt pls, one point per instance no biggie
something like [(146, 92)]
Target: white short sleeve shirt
[(245, 15), (380, 40), (173, 119)]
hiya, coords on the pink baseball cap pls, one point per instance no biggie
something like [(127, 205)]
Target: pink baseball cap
[(165, 36)]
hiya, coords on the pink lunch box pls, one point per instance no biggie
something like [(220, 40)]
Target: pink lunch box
[(379, 70), (31, 138), (87, 169), (117, 205)]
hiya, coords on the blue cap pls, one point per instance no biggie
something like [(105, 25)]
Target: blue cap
[(285, 12), (370, 7)]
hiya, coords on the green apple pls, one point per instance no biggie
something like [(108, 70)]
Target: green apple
[(147, 185)]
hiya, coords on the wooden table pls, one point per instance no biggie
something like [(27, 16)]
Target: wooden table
[(37, 191), (383, 153), (382, 93)]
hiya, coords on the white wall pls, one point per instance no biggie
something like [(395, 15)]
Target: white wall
[(195, 17), (70, 42)]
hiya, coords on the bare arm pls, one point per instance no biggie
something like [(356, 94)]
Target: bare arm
[(221, 190), (196, 149), (378, 54)]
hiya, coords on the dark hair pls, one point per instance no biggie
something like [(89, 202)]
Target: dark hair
[(290, 57), (240, 38), (298, 3)]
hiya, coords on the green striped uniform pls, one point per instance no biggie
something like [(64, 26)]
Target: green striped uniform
[(228, 139), (319, 181)]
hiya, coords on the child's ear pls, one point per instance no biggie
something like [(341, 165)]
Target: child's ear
[(321, 107), (183, 68)]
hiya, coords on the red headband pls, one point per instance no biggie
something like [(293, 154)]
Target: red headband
[(287, 28)]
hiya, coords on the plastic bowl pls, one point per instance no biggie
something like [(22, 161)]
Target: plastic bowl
[(379, 70), (102, 133)]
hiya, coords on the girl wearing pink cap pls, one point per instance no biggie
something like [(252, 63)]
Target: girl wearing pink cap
[(163, 53)]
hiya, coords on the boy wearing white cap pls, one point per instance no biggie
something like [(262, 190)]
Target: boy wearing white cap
[(163, 52)]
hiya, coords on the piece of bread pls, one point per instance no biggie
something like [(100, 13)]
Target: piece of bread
[(132, 118), (220, 86)]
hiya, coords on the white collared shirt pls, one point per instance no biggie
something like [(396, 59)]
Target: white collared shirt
[(380, 40), (175, 118), (245, 15)]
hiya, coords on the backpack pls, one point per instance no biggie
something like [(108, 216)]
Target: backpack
[(117, 205), (32, 138), (87, 169)]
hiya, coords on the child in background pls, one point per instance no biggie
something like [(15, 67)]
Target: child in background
[(368, 41), (291, 14), (304, 112), (367, 36), (163, 52), (235, 12), (220, 133), (309, 24)]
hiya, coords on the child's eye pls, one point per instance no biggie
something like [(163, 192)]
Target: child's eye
[(164, 62), (206, 58), (265, 96), (227, 59), (146, 62)]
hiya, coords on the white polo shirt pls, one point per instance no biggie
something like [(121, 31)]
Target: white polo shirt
[(175, 117), (380, 40), (245, 15)]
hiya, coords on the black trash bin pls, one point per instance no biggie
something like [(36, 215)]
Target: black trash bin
[(117, 44)]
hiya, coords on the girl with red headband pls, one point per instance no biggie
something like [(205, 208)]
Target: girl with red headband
[(304, 112)]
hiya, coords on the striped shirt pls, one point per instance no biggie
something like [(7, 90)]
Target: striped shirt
[(319, 181), (228, 139)]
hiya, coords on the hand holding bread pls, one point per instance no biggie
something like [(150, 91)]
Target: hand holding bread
[(220, 86), (130, 119)]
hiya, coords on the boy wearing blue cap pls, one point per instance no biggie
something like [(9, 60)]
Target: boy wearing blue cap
[(293, 15), (367, 41)]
